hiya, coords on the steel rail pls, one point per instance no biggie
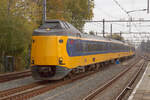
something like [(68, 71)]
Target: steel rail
[(14, 75), (8, 92), (128, 86), (35, 92), (107, 84), (21, 93)]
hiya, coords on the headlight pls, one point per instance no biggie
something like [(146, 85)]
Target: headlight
[(61, 60)]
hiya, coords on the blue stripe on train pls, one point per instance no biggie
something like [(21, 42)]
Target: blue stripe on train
[(76, 47)]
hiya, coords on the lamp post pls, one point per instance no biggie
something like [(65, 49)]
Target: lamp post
[(148, 6), (89, 8), (44, 11)]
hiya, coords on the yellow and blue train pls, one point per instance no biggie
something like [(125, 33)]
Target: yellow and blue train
[(58, 49)]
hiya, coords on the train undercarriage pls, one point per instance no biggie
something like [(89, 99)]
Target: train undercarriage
[(58, 73)]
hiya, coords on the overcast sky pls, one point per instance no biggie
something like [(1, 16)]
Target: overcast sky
[(109, 10)]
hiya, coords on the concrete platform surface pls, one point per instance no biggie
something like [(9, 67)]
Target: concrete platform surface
[(142, 90)]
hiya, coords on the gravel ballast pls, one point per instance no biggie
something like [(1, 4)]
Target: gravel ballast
[(16, 83), (81, 88), (112, 92)]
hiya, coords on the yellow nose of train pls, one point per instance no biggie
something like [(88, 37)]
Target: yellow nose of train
[(44, 50), (49, 54)]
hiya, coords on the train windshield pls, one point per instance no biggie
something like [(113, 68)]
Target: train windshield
[(51, 25)]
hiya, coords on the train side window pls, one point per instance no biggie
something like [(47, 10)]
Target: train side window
[(112, 46), (78, 46), (51, 25), (102, 46)]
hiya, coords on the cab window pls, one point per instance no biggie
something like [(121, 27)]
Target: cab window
[(51, 25)]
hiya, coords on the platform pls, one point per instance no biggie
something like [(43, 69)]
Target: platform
[(142, 89)]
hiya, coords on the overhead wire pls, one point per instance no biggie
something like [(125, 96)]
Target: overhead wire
[(127, 14), (107, 14), (121, 7), (124, 10)]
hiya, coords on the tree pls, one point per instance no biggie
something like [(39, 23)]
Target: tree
[(91, 33), (80, 10), (116, 37), (73, 11), (18, 19), (15, 34)]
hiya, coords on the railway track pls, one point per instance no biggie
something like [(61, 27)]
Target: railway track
[(35, 89), (19, 89), (129, 85), (31, 90), (145, 57), (103, 87), (14, 75)]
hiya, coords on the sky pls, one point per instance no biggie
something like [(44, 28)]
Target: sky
[(109, 10)]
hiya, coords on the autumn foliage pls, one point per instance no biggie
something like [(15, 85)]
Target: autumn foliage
[(18, 19)]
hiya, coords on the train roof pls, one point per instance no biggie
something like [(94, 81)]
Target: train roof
[(102, 38), (87, 35), (75, 31), (53, 20)]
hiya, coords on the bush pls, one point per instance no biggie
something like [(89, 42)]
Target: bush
[(15, 36)]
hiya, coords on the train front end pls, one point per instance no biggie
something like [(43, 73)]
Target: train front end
[(48, 50)]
